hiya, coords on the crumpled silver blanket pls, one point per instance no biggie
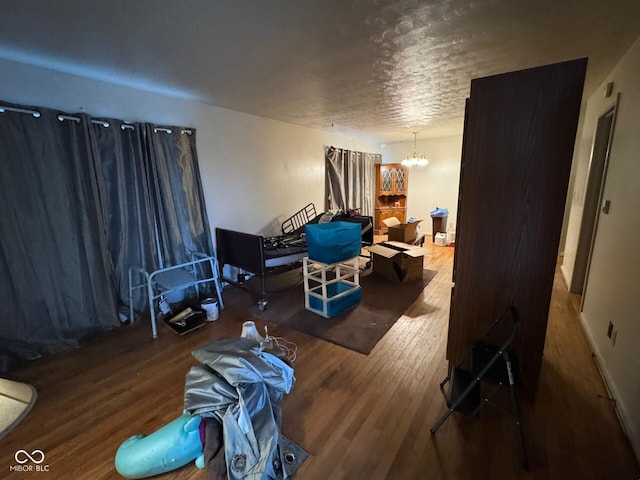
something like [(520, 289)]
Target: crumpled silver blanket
[(242, 386)]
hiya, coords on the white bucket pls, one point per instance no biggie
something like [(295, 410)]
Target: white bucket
[(440, 239), (210, 305)]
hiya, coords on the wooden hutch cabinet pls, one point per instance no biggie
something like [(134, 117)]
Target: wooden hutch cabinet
[(392, 182)]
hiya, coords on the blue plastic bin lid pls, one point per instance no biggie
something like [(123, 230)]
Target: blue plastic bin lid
[(439, 212)]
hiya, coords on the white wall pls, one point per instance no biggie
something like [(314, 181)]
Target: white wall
[(613, 290), (255, 172), (435, 184)]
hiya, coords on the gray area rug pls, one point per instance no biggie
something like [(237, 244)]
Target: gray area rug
[(360, 328)]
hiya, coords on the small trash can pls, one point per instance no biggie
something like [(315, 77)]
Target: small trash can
[(439, 218)]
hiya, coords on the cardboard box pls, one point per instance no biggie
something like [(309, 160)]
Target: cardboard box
[(397, 261), (402, 232)]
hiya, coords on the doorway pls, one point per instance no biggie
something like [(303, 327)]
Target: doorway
[(593, 197)]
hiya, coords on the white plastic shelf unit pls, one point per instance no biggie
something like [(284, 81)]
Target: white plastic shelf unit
[(331, 288)]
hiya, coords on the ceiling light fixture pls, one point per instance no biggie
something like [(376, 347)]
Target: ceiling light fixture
[(416, 158)]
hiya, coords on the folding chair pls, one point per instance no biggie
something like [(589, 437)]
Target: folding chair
[(486, 363)]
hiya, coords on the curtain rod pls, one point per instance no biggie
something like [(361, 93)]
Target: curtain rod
[(104, 123), (3, 109), (169, 131)]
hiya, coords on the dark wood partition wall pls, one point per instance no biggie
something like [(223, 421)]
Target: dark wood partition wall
[(517, 149)]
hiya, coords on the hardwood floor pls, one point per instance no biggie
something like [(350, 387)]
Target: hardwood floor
[(358, 416)]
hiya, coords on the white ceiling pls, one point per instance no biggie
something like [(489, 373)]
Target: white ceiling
[(374, 67)]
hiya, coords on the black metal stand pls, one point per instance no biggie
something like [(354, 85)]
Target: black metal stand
[(464, 393)]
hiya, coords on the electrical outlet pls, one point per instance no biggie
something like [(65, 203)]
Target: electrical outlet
[(609, 329)]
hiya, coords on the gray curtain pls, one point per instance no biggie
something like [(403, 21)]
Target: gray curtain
[(154, 197), (56, 281), (82, 202), (176, 191), (130, 232), (351, 179)]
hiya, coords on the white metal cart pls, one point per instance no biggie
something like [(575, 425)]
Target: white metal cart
[(165, 280)]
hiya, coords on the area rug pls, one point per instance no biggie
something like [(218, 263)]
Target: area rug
[(360, 328)]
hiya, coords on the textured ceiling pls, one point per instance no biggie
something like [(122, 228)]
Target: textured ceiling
[(363, 67)]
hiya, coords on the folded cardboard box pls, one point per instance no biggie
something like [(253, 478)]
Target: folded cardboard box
[(397, 261), (401, 232)]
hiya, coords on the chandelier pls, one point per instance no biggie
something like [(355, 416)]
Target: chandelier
[(415, 158)]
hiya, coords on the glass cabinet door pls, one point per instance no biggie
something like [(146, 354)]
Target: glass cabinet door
[(399, 185), (393, 180), (386, 179)]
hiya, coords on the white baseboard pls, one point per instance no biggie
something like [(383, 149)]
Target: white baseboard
[(623, 415)]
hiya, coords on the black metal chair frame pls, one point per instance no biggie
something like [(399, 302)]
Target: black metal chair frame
[(465, 395)]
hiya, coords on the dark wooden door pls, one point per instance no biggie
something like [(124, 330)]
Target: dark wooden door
[(518, 144)]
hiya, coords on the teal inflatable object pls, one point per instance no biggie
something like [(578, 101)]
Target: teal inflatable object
[(168, 448)]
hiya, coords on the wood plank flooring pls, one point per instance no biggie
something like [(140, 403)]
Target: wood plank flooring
[(359, 417)]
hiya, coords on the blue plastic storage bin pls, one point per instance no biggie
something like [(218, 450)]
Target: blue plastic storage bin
[(333, 242), (335, 305)]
